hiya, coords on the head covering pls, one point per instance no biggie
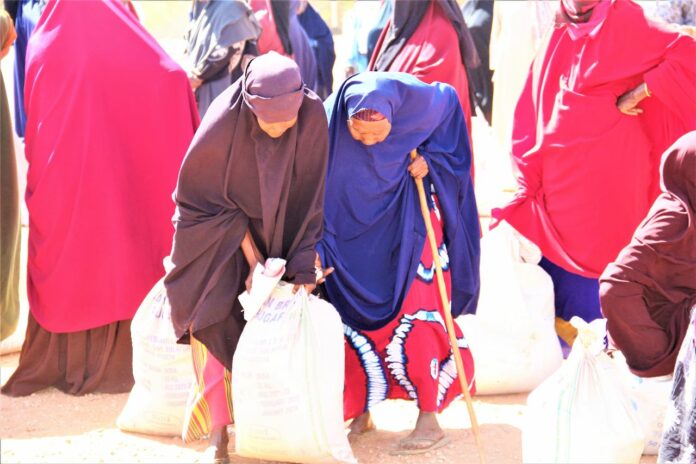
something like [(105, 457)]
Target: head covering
[(407, 16), (282, 33), (678, 174), (322, 44), (478, 15), (272, 87), (367, 115), (374, 231), (102, 169), (648, 292), (236, 178), (217, 24), (583, 17)]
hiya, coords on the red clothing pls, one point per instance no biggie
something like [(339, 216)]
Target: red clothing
[(410, 358), (587, 172), (269, 40), (431, 55), (110, 116)]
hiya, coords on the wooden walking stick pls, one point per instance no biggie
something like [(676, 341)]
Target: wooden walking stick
[(449, 322)]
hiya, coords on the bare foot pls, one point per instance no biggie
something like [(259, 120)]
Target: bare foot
[(361, 425), (218, 441), (426, 434)]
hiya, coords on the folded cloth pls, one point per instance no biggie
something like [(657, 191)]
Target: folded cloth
[(266, 278)]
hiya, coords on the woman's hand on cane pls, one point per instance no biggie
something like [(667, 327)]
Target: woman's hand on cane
[(418, 167)]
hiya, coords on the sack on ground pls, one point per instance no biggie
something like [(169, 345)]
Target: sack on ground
[(582, 413), (650, 400), (163, 371), (287, 382), (512, 335)]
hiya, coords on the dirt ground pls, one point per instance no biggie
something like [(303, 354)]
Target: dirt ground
[(52, 427)]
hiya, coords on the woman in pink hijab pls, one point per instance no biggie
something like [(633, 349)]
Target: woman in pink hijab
[(108, 125), (606, 95)]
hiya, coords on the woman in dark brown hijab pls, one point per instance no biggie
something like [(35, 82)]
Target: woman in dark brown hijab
[(255, 169), (647, 294)]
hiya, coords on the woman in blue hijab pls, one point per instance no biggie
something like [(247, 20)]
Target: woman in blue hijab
[(375, 239)]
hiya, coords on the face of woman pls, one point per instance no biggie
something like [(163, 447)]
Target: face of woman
[(276, 129), (369, 132)]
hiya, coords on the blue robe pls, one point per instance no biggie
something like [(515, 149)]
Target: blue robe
[(374, 232), (322, 43), (27, 15)]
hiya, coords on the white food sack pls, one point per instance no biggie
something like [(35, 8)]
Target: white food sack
[(162, 369), (582, 413), (287, 386), (512, 336)]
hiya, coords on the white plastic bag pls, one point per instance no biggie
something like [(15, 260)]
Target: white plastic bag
[(287, 382), (163, 371), (649, 399), (582, 414), (512, 335)]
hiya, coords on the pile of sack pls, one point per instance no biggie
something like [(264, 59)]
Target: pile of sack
[(592, 409), (288, 373), (512, 335)]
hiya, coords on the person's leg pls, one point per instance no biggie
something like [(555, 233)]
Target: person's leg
[(425, 435), (210, 410), (361, 425)]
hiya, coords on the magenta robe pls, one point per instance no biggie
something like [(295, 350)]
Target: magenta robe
[(110, 116), (587, 172)]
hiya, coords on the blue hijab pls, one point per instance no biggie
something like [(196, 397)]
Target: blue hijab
[(373, 228)]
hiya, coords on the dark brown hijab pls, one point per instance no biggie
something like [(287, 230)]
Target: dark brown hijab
[(235, 177), (647, 294)]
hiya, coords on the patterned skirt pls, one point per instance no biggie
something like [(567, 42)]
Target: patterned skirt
[(410, 358)]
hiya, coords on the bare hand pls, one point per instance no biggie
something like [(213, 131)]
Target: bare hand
[(418, 167), (322, 272), (195, 82), (250, 278), (628, 102), (309, 288)]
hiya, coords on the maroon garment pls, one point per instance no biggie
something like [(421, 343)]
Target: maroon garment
[(273, 88), (235, 177), (98, 360), (647, 293)]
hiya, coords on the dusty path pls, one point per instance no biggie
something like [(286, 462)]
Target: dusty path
[(53, 427)]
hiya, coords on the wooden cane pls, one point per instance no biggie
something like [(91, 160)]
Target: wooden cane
[(449, 322)]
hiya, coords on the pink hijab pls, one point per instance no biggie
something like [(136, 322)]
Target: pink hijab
[(110, 116)]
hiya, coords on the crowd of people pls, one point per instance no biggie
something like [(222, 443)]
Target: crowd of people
[(595, 101)]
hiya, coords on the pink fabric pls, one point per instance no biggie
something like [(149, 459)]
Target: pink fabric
[(110, 117), (215, 392), (588, 173), (269, 39), (583, 17), (432, 55)]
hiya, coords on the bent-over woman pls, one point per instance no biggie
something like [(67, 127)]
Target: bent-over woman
[(255, 169), (375, 238)]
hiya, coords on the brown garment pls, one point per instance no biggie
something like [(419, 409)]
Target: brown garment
[(235, 177), (9, 205), (647, 293), (95, 360)]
